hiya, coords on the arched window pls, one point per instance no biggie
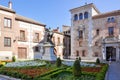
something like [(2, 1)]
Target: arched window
[(108, 20), (112, 19), (80, 16), (86, 15), (75, 17)]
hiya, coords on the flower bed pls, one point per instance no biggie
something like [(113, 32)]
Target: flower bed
[(25, 63), (91, 69), (31, 72), (84, 64)]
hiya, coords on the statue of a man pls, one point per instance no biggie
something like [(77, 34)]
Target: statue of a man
[(49, 35)]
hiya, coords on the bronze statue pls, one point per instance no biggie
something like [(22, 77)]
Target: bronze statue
[(49, 35)]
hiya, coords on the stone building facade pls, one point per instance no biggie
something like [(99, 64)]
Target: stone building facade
[(94, 34), (58, 42), (66, 42)]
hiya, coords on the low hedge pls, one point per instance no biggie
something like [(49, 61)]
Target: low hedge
[(102, 73), (46, 75), (58, 72)]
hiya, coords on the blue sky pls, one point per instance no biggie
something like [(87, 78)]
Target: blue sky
[(55, 13)]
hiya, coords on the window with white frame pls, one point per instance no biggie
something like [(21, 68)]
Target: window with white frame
[(7, 22), (7, 41)]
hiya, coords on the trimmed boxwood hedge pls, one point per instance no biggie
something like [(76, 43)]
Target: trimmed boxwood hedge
[(102, 73), (54, 73), (47, 75)]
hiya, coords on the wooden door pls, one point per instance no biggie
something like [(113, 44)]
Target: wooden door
[(22, 53)]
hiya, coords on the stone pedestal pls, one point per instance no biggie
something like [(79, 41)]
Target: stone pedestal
[(49, 52)]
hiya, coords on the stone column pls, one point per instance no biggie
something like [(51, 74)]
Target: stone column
[(104, 53)]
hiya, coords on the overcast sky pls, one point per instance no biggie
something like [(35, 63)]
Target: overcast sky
[(55, 13)]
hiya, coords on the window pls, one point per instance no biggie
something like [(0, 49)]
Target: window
[(36, 49), (80, 16), (111, 31), (108, 20), (83, 53), (86, 15), (77, 53), (96, 54), (7, 22), (58, 41), (75, 17), (37, 37), (80, 34), (96, 43), (112, 19), (97, 32), (69, 31), (7, 41), (22, 35)]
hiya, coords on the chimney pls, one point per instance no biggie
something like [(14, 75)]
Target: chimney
[(10, 5)]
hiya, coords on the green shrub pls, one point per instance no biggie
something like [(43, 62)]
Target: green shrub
[(13, 59), (79, 59), (97, 61), (101, 74), (58, 62), (76, 68)]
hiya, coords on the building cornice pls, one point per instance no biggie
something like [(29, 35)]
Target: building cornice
[(112, 13), (28, 20), (91, 4), (7, 9)]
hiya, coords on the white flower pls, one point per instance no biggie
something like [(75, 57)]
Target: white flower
[(25, 63)]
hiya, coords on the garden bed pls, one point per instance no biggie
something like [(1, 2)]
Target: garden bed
[(25, 63), (49, 71)]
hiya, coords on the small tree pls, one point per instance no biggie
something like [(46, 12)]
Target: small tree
[(58, 62), (79, 59), (97, 61), (13, 59), (76, 68)]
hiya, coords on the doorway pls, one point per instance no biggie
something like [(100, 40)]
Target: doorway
[(111, 52)]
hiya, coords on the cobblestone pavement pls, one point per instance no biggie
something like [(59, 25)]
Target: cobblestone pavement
[(113, 72)]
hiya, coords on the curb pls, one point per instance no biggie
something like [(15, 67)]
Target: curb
[(8, 77)]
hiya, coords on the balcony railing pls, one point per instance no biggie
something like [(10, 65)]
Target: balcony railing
[(36, 40), (24, 39)]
